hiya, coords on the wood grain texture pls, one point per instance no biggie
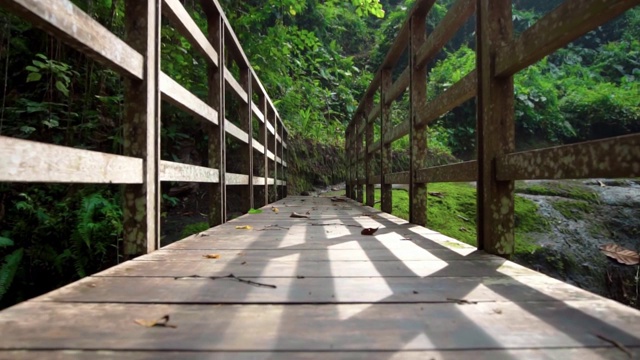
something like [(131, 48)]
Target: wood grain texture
[(182, 98), (182, 21), (30, 161), (567, 22), (460, 172), (68, 23), (172, 171), (613, 157)]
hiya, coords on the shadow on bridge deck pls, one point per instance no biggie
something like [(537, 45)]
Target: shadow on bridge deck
[(406, 292)]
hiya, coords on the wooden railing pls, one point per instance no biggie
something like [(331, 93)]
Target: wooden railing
[(500, 55), (140, 168)]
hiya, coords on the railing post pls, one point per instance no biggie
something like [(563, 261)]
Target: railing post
[(270, 146), (264, 138), (275, 157), (217, 136), (141, 129), (360, 175), (285, 158), (280, 150), (495, 130), (246, 124), (368, 156), (386, 203), (347, 154), (417, 134)]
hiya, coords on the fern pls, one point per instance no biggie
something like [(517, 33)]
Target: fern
[(8, 270)]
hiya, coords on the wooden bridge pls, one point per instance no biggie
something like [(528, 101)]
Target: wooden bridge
[(301, 279)]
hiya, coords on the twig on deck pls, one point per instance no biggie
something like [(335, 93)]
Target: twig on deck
[(230, 276), (616, 344)]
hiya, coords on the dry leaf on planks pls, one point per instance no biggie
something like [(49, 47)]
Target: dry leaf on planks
[(244, 227), (162, 322), (211, 256), (299, 216), (622, 255), (369, 231)]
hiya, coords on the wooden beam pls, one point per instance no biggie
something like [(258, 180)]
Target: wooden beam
[(460, 172), (30, 161), (217, 133), (617, 157), (66, 22), (495, 130), (182, 21), (178, 96), (264, 138), (403, 177), (172, 171), (556, 29), (233, 130), (141, 129), (459, 93), (369, 159), (236, 179), (417, 132), (241, 94), (386, 201), (245, 115)]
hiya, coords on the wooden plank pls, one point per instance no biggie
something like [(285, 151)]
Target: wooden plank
[(485, 354), (182, 98), (257, 146), (182, 21), (241, 94), (457, 15), (217, 157), (236, 179), (460, 172), (67, 22), (245, 118), (172, 171), (456, 95), (397, 178), (295, 290), (567, 22), (141, 130), (30, 161), (318, 269), (375, 113), (369, 158), (313, 255), (495, 130), (257, 112), (394, 327), (397, 132), (399, 86), (613, 157)]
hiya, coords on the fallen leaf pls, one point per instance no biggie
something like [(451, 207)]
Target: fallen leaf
[(617, 252), (336, 199), (211, 256), (244, 227), (243, 263), (299, 216), (275, 209), (369, 231), (255, 211), (462, 301), (162, 322)]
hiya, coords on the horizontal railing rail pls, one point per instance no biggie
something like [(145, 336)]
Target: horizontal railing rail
[(499, 55), (140, 168)]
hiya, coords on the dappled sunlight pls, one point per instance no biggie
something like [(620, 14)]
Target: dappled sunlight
[(295, 236), (273, 267), (333, 232)]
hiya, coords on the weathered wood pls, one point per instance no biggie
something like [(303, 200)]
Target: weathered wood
[(556, 29), (386, 203), (608, 158), (394, 327), (236, 179), (456, 95), (369, 158), (495, 130), (216, 133), (67, 22), (486, 354), (239, 91), (398, 178), (460, 172), (182, 98), (182, 21), (457, 15), (172, 171), (399, 86), (264, 138), (141, 130), (245, 115), (257, 112), (418, 132), (30, 161), (360, 159)]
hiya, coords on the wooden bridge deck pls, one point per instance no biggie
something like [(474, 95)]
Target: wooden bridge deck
[(325, 291)]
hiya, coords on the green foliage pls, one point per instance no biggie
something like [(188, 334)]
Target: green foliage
[(194, 229), (454, 214), (255, 211), (559, 189), (8, 270)]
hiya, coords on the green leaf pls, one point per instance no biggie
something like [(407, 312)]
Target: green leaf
[(32, 68), (62, 88), (34, 76), (5, 242), (254, 211)]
